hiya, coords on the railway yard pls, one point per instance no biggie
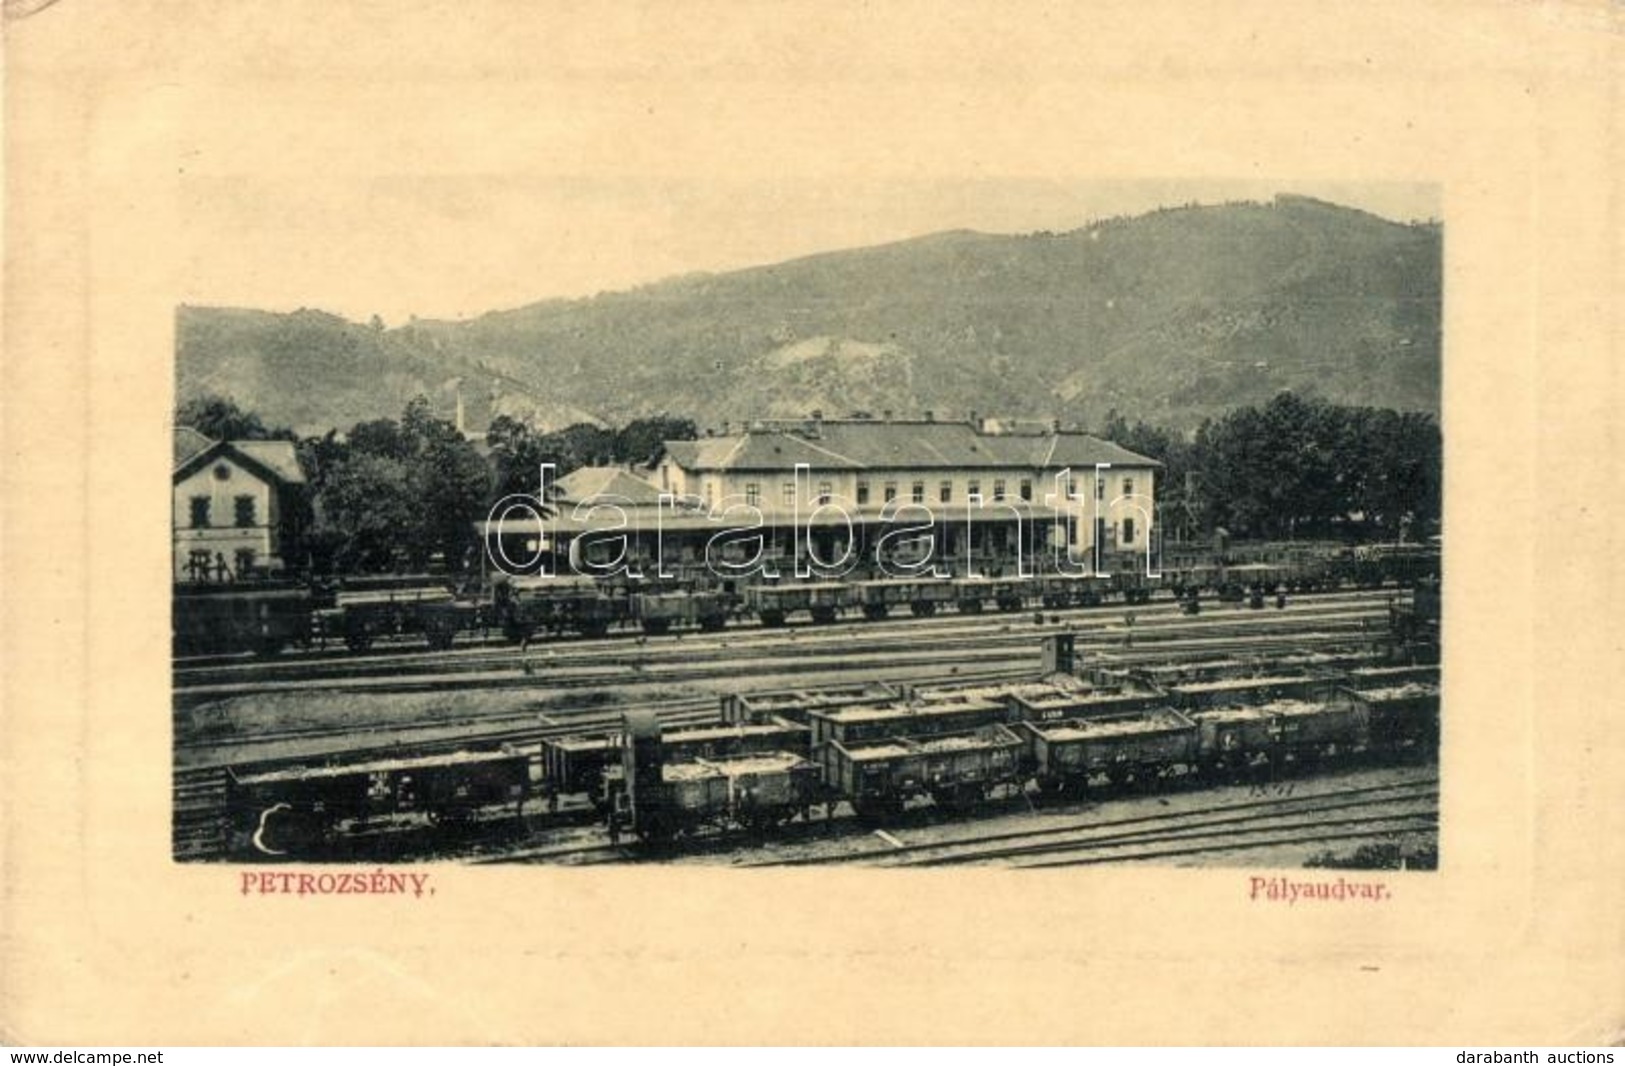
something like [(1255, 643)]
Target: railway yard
[(1046, 737)]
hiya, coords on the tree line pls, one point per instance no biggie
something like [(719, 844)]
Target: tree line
[(1296, 467), (401, 494)]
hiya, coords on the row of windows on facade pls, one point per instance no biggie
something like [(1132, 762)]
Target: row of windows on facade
[(243, 506), (945, 491)]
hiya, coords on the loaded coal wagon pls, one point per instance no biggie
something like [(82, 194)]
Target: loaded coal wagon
[(1239, 737), (660, 799), (939, 717), (525, 606), (1138, 745), (590, 766), (879, 776), (705, 609), (795, 705), (1401, 707), (824, 601)]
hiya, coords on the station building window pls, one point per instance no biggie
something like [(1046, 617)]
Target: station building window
[(787, 495), (824, 491), (945, 492), (1128, 486), (891, 491), (753, 493), (1128, 531), (973, 487), (919, 492), (200, 512), (244, 506), (863, 493), (1027, 489), (998, 488)]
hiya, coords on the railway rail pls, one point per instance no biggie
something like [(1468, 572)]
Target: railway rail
[(697, 660), (201, 784), (1084, 838)]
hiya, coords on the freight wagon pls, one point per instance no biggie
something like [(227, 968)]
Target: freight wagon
[(1133, 746), (660, 800), (311, 803), (797, 704), (847, 725), (590, 765), (264, 619), (878, 777)]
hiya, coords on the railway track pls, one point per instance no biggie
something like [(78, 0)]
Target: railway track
[(199, 822), (741, 642), (200, 818), (700, 662), (1235, 826)]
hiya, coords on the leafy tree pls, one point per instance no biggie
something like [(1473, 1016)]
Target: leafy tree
[(640, 439), (364, 512), (220, 418)]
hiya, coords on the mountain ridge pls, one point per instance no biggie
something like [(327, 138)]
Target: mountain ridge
[(1174, 316)]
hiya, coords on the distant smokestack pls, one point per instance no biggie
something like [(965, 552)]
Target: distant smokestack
[(976, 421), (727, 428), (818, 414), (930, 416), (886, 414)]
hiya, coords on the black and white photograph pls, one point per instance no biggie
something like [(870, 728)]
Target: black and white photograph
[(818, 524), (962, 523)]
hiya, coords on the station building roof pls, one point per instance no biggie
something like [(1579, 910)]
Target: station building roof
[(275, 460), (869, 444), (608, 483)]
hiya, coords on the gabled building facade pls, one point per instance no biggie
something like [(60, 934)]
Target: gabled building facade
[(236, 507)]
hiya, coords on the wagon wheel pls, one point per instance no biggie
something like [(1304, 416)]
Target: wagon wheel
[(269, 647), (923, 610), (358, 641), (712, 623), (517, 632), (440, 639), (657, 626), (874, 611), (970, 607), (772, 619)]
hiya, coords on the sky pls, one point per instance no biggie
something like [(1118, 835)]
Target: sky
[(458, 245)]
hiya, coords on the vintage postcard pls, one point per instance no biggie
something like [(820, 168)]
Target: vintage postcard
[(518, 510)]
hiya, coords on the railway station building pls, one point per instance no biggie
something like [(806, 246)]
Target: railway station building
[(234, 506), (977, 492)]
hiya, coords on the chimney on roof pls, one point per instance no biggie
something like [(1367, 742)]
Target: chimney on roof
[(727, 428), (818, 414), (930, 416), (886, 414), (709, 432), (1055, 425), (976, 421)]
